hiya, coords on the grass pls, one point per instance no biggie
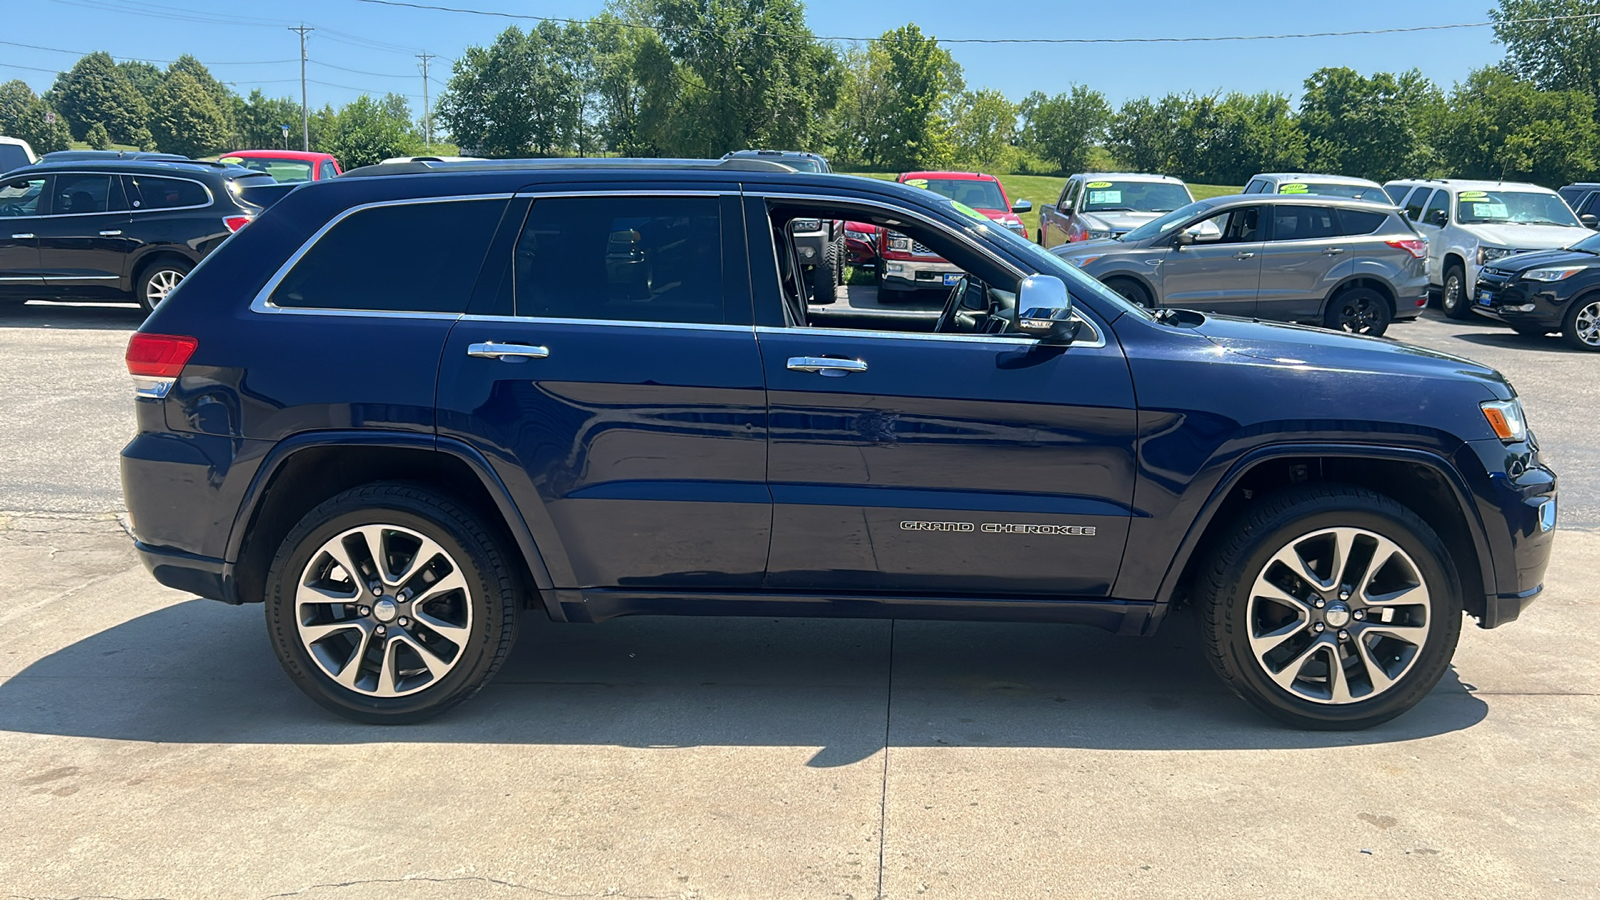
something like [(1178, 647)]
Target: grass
[(1042, 189)]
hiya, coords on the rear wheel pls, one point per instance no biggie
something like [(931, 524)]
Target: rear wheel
[(158, 280), (1454, 299), (1133, 291), (1581, 327), (1330, 607), (1358, 311), (389, 604)]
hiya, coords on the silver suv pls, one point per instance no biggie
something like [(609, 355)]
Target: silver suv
[(1107, 205), (1347, 264)]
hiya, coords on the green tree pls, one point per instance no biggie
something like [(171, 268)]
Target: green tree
[(1561, 55), (1144, 134), (1065, 129), (985, 130), (516, 98), (95, 90), (919, 79), (368, 131), (1250, 133), (97, 138), (635, 87), (1503, 127), (187, 119), (24, 115), (1371, 127), (260, 122), (146, 78), (227, 102)]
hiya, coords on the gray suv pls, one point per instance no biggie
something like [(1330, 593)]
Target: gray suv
[(1347, 264)]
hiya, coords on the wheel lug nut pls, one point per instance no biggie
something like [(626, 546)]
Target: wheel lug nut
[(1344, 635), (364, 610), (1319, 628), (1321, 603), (403, 622), (1344, 595), (380, 630), (1359, 615)]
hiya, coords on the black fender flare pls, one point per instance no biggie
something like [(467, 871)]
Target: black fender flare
[(286, 448), (1451, 475)]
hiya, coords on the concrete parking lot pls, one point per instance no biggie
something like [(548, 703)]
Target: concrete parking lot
[(151, 747)]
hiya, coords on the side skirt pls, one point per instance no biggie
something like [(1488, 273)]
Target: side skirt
[(1128, 617)]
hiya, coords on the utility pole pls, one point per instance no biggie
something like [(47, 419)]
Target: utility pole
[(427, 111), (305, 111)]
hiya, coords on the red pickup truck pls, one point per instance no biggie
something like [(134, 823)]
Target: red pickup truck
[(909, 266)]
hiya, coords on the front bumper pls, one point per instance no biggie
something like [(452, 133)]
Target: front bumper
[(919, 274), (1504, 298), (810, 245)]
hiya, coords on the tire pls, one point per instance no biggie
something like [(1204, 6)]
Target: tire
[(469, 608), (841, 255), (825, 275), (1243, 609), (1581, 326), (1454, 295), (1133, 291), (1358, 310), (158, 279)]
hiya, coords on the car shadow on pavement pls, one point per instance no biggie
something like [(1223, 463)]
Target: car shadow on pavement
[(1510, 340), (67, 316), (201, 672)]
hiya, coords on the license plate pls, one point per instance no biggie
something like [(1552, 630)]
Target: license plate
[(951, 277), (1485, 298)]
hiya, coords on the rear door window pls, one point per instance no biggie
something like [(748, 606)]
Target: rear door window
[(1360, 221), (408, 257), (76, 194), (640, 259), (149, 192), (1301, 223)]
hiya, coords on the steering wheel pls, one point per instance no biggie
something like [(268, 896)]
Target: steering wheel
[(952, 305), (11, 209)]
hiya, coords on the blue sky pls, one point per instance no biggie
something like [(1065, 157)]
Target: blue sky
[(249, 46)]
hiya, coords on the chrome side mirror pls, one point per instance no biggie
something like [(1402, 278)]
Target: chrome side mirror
[(1022, 206), (1046, 310)]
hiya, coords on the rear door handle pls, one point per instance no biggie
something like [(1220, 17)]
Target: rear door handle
[(824, 365), (494, 350), (1245, 255), (112, 233), (21, 237), (1333, 250)]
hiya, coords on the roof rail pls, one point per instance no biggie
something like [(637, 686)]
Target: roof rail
[(417, 167)]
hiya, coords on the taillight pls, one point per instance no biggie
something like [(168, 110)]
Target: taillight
[(235, 223), (1417, 247), (154, 361)]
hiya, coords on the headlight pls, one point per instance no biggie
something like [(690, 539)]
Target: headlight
[(858, 235), (1556, 274), (898, 241), (1487, 254), (1094, 233), (1017, 227), (1505, 417)]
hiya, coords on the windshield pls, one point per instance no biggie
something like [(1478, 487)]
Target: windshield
[(1516, 207), (1166, 223), (1133, 196), (1335, 189), (968, 191), (281, 170), (1046, 263), (802, 164), (1589, 244)]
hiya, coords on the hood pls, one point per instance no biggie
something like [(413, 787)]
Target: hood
[(1118, 221), (1088, 248), (1522, 262), (1528, 237), (1003, 216), (1319, 348)]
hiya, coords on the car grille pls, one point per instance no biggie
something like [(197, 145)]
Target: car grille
[(920, 249)]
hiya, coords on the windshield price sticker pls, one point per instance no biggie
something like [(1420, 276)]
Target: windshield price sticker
[(918, 182), (1112, 197), (1490, 211), (1099, 184), (1294, 188), (1474, 195)]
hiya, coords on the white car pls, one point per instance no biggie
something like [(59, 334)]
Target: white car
[(15, 153), (1471, 223)]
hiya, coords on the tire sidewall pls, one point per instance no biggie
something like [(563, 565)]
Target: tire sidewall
[(142, 288), (1335, 316), (1570, 320), (1132, 291), (1444, 623), (341, 514), (1459, 310)]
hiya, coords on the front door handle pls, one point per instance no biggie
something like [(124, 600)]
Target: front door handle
[(1245, 255), (1333, 251), (22, 237), (494, 350), (112, 233), (824, 365)]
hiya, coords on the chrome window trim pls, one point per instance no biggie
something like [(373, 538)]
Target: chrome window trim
[(1099, 336), (627, 323), (261, 304)]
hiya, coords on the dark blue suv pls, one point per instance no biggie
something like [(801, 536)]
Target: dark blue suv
[(406, 406)]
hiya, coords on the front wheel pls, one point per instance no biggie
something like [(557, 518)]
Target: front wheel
[(1358, 311), (1581, 327), (159, 280), (389, 604), (1330, 607), (1454, 299), (1133, 291)]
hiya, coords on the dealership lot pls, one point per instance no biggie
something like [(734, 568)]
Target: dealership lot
[(152, 746)]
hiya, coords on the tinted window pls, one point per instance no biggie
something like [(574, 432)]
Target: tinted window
[(1396, 192), (21, 198), (647, 259), (1591, 204), (1236, 226), (1419, 196), (1299, 223), (414, 257), (1255, 187), (971, 192), (328, 171), (1572, 195), (1360, 221), (1332, 189), (155, 192), (78, 194), (12, 156), (1438, 211)]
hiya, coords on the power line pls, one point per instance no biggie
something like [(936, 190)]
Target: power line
[(1134, 40), (258, 62)]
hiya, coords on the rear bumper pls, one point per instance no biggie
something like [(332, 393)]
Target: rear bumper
[(202, 576), (1519, 506)]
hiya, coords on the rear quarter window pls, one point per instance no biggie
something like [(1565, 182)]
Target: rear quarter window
[(154, 192), (1360, 221), (410, 257)]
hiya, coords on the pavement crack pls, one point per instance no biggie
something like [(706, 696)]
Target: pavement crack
[(455, 879)]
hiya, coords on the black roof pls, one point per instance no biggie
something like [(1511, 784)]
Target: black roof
[(149, 164), (419, 166), (79, 155)]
